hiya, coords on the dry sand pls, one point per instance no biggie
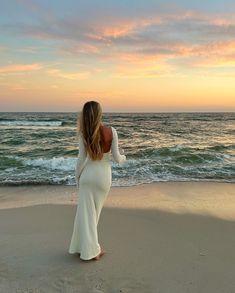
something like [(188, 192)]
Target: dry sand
[(164, 237)]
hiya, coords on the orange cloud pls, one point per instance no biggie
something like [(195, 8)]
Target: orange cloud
[(115, 31), (141, 41), (216, 62), (70, 75), (219, 54), (14, 68), (125, 27), (145, 72)]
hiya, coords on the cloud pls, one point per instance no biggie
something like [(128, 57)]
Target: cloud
[(158, 38), (15, 68), (161, 70), (68, 75), (155, 36), (215, 54)]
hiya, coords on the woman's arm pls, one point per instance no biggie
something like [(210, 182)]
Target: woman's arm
[(81, 160), (120, 159)]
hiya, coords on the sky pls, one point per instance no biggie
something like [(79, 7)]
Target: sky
[(131, 56)]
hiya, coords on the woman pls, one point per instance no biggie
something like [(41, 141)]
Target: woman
[(94, 178)]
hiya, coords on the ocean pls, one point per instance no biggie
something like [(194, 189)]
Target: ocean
[(42, 147)]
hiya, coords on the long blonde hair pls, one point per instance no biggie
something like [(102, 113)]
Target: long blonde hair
[(89, 124)]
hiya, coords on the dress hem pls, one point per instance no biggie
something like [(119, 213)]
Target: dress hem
[(70, 252)]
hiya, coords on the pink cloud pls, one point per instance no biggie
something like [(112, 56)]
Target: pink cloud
[(14, 68), (139, 39)]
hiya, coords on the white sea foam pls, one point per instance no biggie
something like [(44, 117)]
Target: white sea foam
[(30, 123), (56, 163), (159, 147)]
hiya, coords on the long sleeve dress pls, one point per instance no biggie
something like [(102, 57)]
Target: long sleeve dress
[(94, 180)]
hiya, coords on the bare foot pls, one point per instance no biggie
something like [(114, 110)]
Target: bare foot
[(99, 255)]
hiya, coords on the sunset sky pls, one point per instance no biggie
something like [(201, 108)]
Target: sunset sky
[(131, 56)]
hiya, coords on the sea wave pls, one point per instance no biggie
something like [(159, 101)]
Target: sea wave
[(42, 148), (55, 163), (29, 123)]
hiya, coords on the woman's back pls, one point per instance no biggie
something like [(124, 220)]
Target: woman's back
[(107, 137), (110, 137)]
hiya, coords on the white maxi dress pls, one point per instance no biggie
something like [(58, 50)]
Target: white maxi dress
[(94, 180)]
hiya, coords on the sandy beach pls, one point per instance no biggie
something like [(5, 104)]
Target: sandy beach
[(168, 237)]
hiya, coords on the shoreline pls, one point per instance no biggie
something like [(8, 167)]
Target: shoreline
[(117, 186), (212, 198)]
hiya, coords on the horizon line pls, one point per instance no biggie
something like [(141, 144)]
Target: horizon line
[(120, 112)]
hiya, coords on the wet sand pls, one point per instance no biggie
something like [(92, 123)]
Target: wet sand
[(165, 237)]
